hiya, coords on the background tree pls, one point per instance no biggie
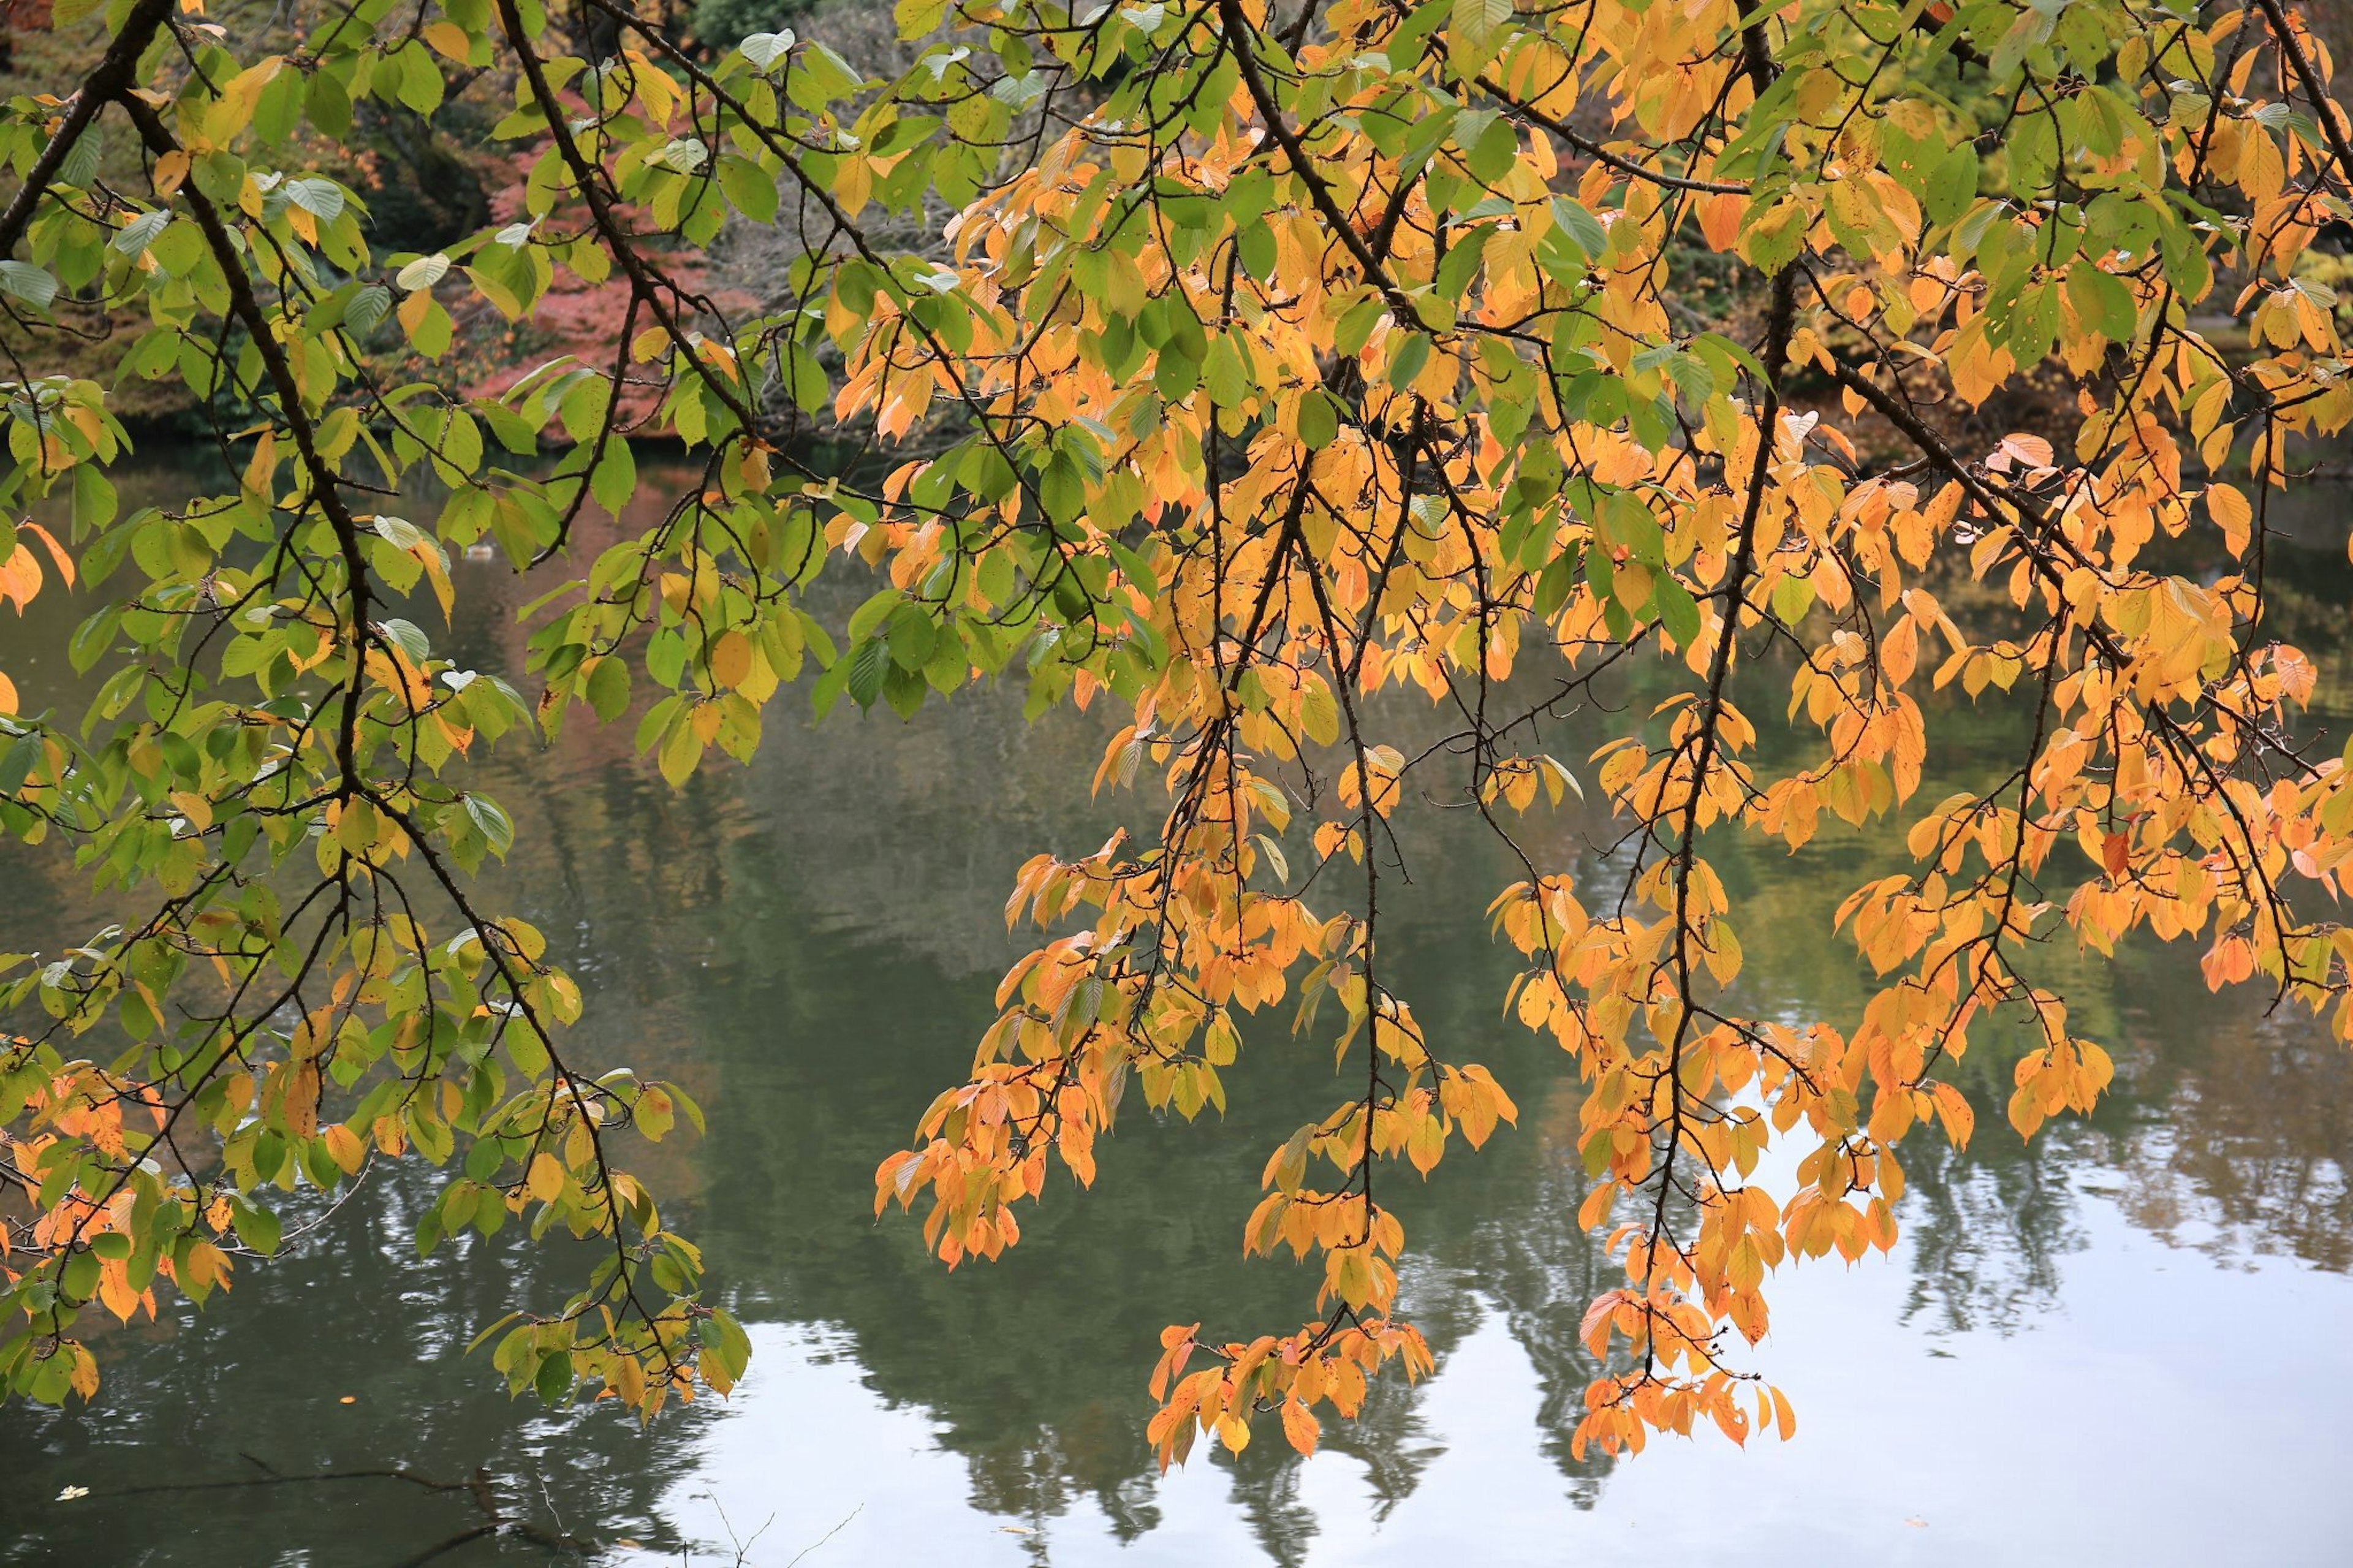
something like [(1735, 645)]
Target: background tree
[(1274, 360)]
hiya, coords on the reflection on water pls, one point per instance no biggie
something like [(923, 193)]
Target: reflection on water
[(2055, 1362)]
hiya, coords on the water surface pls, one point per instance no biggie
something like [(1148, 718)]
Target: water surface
[(2123, 1342)]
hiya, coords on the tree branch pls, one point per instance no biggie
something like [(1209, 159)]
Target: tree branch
[(112, 78)]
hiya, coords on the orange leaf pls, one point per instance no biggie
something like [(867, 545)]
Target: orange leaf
[(20, 577), (1594, 1330), (1299, 1425), (56, 552), (2032, 451)]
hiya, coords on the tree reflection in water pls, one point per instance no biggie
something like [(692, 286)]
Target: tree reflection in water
[(807, 945)]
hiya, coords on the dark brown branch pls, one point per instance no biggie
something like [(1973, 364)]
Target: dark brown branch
[(111, 77), (1600, 154), (1302, 163), (2308, 78), (247, 308), (644, 284)]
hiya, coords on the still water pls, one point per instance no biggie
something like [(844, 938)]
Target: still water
[(2123, 1344)]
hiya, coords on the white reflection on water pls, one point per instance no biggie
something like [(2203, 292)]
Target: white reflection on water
[(2142, 1421), (2030, 1382)]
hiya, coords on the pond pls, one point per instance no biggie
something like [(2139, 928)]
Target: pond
[(2121, 1343)]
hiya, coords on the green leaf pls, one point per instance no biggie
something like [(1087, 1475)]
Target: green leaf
[(134, 238), (420, 79), (764, 49), (496, 825), (29, 283), (1952, 184), (402, 533), (616, 478), (1495, 152), (805, 379), (585, 404), (1472, 29), (1319, 421), (904, 690), (322, 198), (257, 1228), (918, 18), (94, 502), (870, 665), (724, 1338), (328, 104), (750, 189), (2102, 301), (478, 1340), (609, 689), (1675, 608), (911, 635), (498, 290), (17, 762), (81, 165), (1412, 356), (422, 273), (1580, 226), (2032, 26), (94, 638), (432, 336), (1773, 241), (553, 1380), (368, 307), (409, 637)]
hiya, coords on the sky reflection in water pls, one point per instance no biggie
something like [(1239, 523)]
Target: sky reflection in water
[(2123, 1344)]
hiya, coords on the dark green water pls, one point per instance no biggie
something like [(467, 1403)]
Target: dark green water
[(2121, 1344)]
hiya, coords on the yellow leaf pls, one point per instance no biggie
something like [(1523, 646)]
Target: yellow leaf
[(1299, 1425), (302, 1102), (447, 39), (195, 808), (115, 1293), (344, 1147), (2233, 513), (628, 1379), (731, 659)]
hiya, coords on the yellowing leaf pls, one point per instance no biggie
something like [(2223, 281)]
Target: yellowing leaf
[(731, 659), (2232, 513), (1300, 1426)]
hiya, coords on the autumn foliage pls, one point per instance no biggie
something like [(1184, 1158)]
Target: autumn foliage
[(1279, 372)]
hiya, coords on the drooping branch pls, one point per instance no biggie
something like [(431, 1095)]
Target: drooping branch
[(114, 74), (325, 487)]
